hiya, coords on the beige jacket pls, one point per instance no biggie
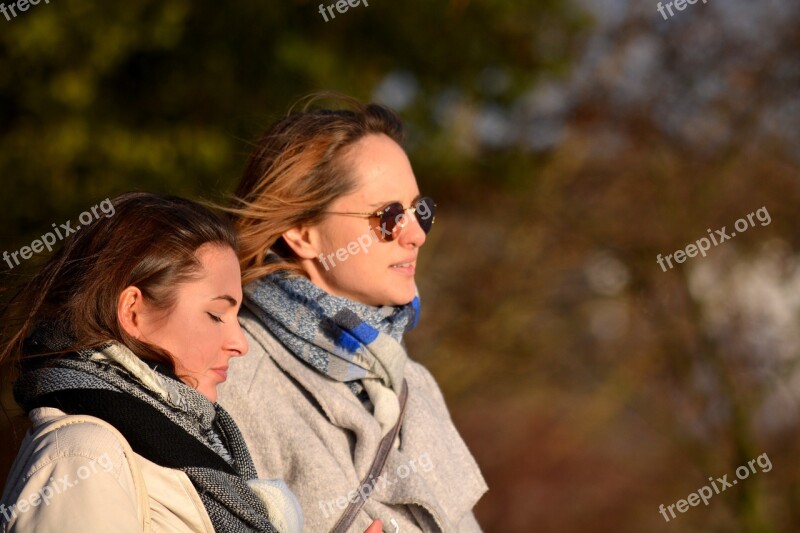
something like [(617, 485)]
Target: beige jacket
[(313, 433), (77, 473)]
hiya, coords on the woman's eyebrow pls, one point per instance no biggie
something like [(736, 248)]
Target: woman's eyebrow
[(387, 202), (230, 299)]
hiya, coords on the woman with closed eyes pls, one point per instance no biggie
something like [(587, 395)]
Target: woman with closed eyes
[(125, 334)]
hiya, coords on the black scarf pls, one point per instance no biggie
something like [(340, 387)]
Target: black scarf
[(162, 419)]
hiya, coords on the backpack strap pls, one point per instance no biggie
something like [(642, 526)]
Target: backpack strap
[(385, 446)]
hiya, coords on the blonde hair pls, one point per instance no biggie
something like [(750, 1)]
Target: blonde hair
[(297, 169)]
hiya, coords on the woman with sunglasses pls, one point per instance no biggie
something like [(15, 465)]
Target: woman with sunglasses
[(331, 222), (123, 337)]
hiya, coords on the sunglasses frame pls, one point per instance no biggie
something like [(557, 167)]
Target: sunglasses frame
[(382, 211)]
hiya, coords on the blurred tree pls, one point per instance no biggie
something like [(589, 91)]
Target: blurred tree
[(569, 142), (164, 95)]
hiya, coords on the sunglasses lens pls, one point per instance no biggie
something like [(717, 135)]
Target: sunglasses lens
[(425, 211), (393, 218), (391, 221)]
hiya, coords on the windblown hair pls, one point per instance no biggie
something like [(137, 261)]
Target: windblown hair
[(149, 242), (297, 169)]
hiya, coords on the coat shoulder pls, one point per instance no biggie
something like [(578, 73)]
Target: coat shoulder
[(57, 435), (70, 466)]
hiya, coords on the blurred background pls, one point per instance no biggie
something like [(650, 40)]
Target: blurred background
[(567, 144)]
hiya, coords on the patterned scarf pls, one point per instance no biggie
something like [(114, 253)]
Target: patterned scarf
[(351, 342), (163, 420)]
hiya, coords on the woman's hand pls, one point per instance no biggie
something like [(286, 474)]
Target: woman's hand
[(375, 527)]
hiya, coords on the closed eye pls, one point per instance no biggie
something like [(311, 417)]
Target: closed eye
[(214, 317)]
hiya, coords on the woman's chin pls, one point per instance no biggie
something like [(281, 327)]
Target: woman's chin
[(402, 298)]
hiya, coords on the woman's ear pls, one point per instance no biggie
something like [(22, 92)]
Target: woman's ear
[(303, 241), (129, 311)]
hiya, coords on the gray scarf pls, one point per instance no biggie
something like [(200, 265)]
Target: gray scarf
[(348, 341)]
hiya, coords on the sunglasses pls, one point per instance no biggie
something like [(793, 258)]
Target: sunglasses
[(387, 222)]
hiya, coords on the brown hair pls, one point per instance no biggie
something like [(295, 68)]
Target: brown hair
[(149, 241), (296, 171)]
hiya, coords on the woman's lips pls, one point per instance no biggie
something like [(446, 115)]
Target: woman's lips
[(222, 372), (406, 269)]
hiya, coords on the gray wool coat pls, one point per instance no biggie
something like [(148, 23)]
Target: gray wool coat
[(313, 433)]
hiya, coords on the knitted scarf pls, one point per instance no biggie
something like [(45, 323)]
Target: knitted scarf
[(347, 341), (163, 420)]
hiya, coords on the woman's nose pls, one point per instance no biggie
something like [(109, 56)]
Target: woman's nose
[(411, 232), (237, 342)]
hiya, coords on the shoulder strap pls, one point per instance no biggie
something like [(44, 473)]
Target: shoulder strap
[(385, 446), (143, 502)]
